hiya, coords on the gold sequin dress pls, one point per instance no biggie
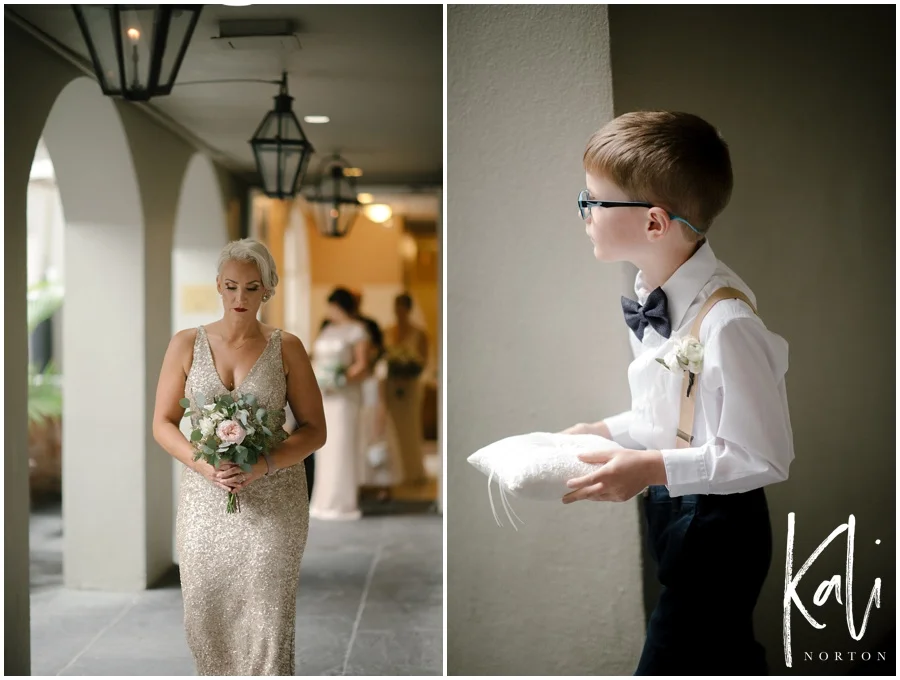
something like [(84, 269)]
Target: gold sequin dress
[(239, 572)]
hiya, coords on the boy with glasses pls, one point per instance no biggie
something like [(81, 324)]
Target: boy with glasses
[(709, 426)]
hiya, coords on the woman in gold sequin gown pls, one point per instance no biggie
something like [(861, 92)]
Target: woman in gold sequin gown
[(239, 572)]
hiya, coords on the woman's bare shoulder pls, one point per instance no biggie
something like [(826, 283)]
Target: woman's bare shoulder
[(182, 344), (292, 351), (185, 338), (291, 342)]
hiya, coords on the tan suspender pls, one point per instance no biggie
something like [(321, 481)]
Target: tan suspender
[(685, 436)]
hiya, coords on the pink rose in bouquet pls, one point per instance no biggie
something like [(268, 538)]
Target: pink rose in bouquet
[(230, 432)]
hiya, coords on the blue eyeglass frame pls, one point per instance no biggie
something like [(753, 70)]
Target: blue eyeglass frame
[(585, 204)]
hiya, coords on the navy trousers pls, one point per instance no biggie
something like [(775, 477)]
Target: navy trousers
[(712, 554)]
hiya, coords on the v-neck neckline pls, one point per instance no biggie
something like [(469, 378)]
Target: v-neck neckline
[(252, 368)]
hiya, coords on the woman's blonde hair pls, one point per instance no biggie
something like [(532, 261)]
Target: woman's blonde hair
[(674, 160), (249, 250)]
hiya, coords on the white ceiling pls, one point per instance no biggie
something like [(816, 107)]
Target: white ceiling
[(376, 71)]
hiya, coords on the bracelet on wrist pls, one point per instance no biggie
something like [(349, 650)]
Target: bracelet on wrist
[(270, 467)]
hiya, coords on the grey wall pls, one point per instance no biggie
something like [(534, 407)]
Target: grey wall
[(805, 98), (529, 313)]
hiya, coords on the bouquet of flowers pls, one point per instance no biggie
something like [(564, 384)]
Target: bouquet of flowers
[(234, 429), (330, 375), (403, 362)]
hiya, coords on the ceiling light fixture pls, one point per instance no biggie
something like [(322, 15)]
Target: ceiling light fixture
[(365, 198), (316, 120), (378, 212), (136, 50), (281, 149), (335, 198)]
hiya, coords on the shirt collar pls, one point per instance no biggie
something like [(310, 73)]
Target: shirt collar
[(684, 285)]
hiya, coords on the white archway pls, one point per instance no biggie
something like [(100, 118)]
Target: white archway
[(200, 234), (104, 409)]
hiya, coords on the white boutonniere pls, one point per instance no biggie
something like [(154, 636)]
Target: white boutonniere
[(685, 355)]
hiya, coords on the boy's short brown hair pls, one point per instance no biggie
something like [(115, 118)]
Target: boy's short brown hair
[(674, 160)]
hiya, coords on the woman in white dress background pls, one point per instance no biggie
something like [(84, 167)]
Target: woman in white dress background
[(341, 363)]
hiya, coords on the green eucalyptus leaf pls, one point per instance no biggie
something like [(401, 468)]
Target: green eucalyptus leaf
[(246, 468), (184, 403), (196, 436), (267, 431), (261, 415)]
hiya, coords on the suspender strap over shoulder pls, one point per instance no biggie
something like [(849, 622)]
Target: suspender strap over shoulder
[(684, 436)]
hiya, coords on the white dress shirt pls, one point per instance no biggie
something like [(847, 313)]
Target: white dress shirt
[(742, 428)]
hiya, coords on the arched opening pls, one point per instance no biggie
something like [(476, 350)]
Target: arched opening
[(101, 350), (46, 288)]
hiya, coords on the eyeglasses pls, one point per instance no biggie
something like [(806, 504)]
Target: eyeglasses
[(585, 204)]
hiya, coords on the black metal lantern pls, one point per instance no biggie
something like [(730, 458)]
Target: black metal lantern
[(281, 149), (137, 49), (335, 199)]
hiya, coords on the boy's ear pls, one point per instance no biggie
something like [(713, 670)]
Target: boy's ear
[(658, 223)]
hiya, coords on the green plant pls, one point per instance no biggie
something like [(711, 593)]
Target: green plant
[(44, 387)]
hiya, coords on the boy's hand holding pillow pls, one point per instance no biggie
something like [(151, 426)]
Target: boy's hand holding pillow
[(537, 465)]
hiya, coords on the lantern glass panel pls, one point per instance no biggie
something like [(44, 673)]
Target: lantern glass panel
[(290, 128), (290, 164), (267, 163), (270, 127), (101, 27), (179, 33), (336, 220), (136, 26)]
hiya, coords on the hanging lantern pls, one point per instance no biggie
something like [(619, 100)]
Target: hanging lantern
[(137, 49), (281, 149), (335, 198)]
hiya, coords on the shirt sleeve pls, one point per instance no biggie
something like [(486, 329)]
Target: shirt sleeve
[(619, 425), (745, 404), (358, 333)]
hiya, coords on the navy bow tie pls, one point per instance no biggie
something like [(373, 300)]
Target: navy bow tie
[(654, 312)]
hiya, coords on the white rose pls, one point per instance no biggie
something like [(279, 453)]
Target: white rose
[(217, 416), (207, 426), (671, 361), (689, 352)]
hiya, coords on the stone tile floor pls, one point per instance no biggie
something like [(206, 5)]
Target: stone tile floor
[(370, 602)]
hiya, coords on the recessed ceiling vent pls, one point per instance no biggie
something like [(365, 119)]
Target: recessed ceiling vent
[(257, 34)]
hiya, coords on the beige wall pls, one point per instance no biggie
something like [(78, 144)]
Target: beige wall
[(805, 98), (529, 314), (113, 360), (370, 254), (368, 260)]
